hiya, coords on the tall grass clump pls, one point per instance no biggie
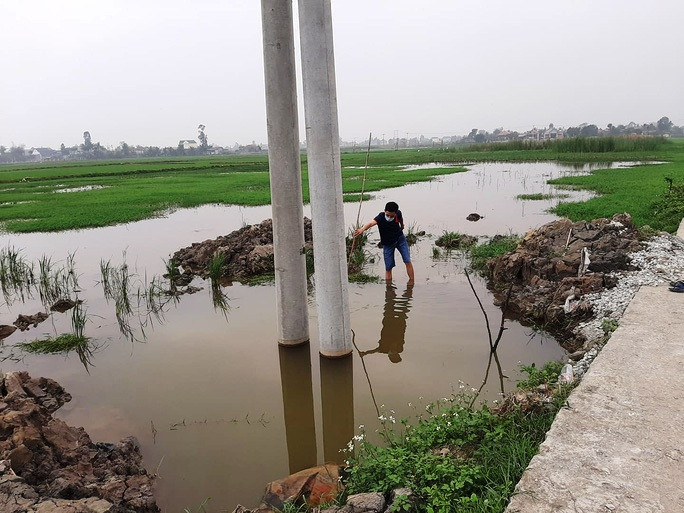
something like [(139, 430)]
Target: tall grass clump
[(669, 208), (578, 145), (357, 258), (16, 275), (454, 240)]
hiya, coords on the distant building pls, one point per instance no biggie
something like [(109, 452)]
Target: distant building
[(188, 144)]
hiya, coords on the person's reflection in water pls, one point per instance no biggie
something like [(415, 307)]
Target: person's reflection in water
[(394, 319)]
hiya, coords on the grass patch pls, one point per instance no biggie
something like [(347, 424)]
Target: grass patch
[(456, 458), (578, 145), (539, 196), (362, 277), (140, 189), (643, 191), (455, 240), (263, 279), (135, 190), (497, 245), (62, 344)]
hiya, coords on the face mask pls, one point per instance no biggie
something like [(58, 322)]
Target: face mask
[(388, 219)]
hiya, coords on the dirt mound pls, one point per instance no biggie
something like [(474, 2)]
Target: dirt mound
[(558, 263), (46, 465), (246, 252)]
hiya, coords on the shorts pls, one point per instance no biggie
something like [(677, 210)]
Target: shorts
[(388, 252)]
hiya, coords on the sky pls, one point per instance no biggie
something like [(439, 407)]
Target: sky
[(149, 72)]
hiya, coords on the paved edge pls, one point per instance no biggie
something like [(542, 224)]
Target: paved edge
[(618, 445)]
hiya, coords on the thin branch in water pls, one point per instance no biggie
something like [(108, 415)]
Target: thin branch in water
[(489, 331), (363, 189), (365, 371)]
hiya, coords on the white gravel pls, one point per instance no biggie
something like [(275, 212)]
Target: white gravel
[(660, 261)]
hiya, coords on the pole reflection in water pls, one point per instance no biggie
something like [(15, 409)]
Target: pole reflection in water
[(298, 406), (394, 320), (337, 396)]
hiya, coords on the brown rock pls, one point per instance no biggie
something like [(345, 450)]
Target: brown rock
[(543, 271), (62, 305), (58, 467), (6, 330), (24, 322), (316, 485), (247, 252)]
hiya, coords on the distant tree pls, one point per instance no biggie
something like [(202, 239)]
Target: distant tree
[(481, 136), (2, 150), (664, 125), (124, 149), (472, 133), (202, 137), (16, 153), (573, 131), (589, 131), (64, 149), (87, 142)]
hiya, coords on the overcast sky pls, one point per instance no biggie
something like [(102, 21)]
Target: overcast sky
[(148, 72)]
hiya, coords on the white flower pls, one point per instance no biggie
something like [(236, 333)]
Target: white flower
[(448, 423), (437, 428), (382, 418)]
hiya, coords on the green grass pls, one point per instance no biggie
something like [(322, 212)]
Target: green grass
[(62, 344), (135, 190), (140, 189), (642, 191), (539, 196), (486, 453), (497, 245), (454, 240)]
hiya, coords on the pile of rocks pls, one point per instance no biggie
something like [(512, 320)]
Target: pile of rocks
[(659, 261), (47, 466), (246, 252), (556, 266)]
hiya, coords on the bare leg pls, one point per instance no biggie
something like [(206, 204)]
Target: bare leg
[(388, 276), (409, 271)]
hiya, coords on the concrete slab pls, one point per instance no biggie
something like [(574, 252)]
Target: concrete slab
[(619, 446), (680, 230)]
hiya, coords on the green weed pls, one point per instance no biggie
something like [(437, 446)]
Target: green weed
[(455, 240), (539, 196), (456, 458), (497, 245)]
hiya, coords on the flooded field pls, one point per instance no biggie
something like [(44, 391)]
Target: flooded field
[(218, 407)]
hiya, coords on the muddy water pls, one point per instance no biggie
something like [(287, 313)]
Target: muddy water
[(218, 408)]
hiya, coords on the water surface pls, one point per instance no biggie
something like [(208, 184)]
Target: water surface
[(218, 407)]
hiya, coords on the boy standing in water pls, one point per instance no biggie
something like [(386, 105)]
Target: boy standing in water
[(391, 225)]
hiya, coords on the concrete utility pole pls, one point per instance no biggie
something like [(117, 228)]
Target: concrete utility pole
[(325, 176), (285, 172)]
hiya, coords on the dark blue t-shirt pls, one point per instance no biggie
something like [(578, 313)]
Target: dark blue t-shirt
[(390, 231)]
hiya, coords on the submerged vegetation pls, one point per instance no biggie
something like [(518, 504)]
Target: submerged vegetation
[(539, 196), (458, 457)]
